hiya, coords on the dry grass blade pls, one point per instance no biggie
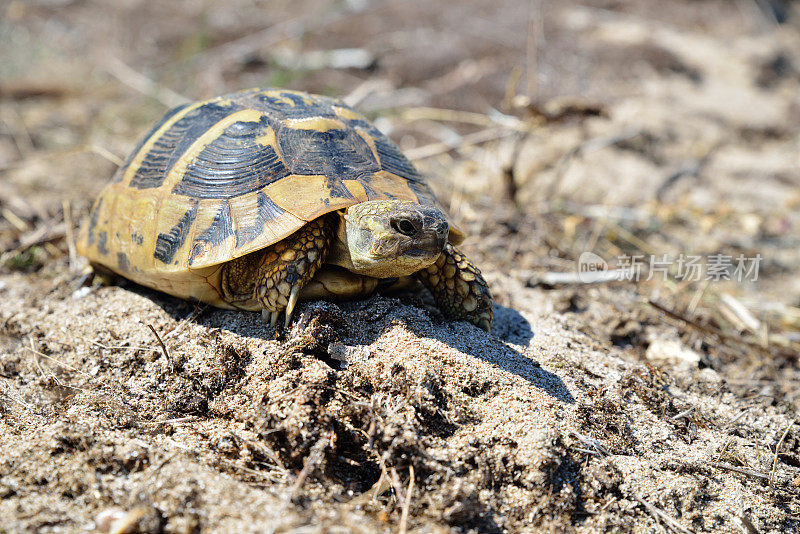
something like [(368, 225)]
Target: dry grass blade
[(106, 154), (32, 89), (163, 346), (748, 525), (683, 414), (558, 278), (465, 117), (658, 513), (593, 443), (738, 314), (407, 502), (586, 451), (16, 399), (187, 419), (371, 494), (311, 462), (593, 144), (57, 361), (476, 138), (398, 489), (265, 38), (143, 84), (15, 125), (69, 230), (42, 235), (733, 341), (749, 472), (533, 43), (273, 474), (777, 449), (194, 315), (15, 220), (120, 347)]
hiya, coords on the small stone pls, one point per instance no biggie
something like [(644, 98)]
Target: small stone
[(347, 354), (672, 352), (107, 517), (81, 293)]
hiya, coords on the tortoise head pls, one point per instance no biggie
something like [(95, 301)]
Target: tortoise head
[(389, 238)]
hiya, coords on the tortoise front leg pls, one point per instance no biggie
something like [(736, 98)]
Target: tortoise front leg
[(275, 276), (458, 288)]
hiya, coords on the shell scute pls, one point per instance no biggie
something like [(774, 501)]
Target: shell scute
[(170, 145), (168, 243), (233, 164)]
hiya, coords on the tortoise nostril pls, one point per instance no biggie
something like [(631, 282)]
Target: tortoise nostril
[(404, 226)]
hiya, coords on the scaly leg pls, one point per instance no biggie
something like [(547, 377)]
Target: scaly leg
[(275, 276), (458, 288)]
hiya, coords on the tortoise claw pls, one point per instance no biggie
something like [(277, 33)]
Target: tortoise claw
[(271, 316)]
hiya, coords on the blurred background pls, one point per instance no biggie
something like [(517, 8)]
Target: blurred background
[(548, 129)]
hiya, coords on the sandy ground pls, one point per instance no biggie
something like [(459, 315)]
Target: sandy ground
[(619, 128)]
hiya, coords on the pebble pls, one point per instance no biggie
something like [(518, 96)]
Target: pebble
[(80, 293)]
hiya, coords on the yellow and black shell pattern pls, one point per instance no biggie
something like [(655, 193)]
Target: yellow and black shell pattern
[(217, 179)]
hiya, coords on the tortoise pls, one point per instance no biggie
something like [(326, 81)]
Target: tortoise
[(257, 199)]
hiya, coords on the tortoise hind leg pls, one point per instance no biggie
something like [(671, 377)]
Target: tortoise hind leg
[(458, 288), (98, 275), (275, 275)]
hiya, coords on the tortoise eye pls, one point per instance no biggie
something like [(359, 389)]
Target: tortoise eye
[(403, 226)]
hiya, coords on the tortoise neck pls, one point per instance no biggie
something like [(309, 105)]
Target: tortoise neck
[(339, 251)]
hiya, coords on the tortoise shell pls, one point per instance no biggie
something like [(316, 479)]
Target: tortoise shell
[(218, 179)]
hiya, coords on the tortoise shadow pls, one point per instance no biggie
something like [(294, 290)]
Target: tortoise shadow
[(510, 329)]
